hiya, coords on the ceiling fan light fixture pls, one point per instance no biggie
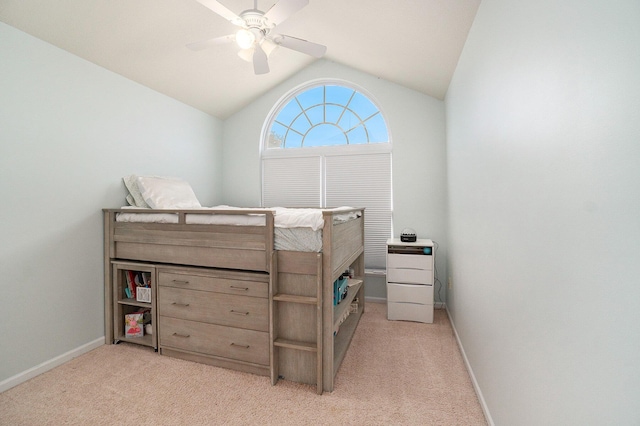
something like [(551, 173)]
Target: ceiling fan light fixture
[(246, 54), (245, 38), (268, 46)]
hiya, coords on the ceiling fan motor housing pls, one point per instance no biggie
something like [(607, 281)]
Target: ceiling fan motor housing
[(255, 19)]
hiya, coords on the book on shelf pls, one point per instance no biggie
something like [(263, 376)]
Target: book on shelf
[(135, 280), (130, 289), (146, 279)]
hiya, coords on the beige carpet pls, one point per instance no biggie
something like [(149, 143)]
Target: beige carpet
[(395, 372)]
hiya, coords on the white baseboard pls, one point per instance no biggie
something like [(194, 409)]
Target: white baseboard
[(483, 403), (50, 364)]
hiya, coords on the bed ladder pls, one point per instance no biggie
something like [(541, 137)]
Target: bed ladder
[(278, 298)]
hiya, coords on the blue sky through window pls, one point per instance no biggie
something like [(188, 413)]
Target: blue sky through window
[(325, 116)]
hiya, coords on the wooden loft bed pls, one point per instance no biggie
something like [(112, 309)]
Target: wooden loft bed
[(302, 321)]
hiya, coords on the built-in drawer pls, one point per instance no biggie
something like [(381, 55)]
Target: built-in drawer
[(410, 293), (412, 276), (214, 308), (409, 312), (210, 339), (217, 283), (410, 261)]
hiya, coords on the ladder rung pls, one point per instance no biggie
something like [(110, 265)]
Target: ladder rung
[(293, 344), (282, 297)]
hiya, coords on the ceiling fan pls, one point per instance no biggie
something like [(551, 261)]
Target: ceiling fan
[(256, 36)]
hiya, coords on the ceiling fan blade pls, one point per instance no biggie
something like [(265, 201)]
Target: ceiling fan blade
[(260, 63), (283, 9), (221, 10), (300, 45), (200, 45), (246, 54)]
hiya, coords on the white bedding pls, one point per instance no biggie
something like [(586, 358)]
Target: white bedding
[(196, 218), (297, 239), (283, 217)]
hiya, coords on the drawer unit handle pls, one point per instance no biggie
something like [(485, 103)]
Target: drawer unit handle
[(180, 304), (239, 312), (181, 282), (240, 346), (181, 335), (239, 288)]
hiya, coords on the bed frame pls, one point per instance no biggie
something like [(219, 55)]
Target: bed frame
[(304, 346)]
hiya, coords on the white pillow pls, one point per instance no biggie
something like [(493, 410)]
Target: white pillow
[(131, 182), (167, 193)]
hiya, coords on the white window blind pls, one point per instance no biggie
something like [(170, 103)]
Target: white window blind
[(356, 180), (292, 182), (363, 180)]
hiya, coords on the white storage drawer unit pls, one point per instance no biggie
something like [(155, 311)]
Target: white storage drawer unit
[(409, 258), (409, 312), (410, 280), (422, 294), (418, 273)]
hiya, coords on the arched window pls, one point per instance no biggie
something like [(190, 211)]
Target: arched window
[(327, 144), (327, 115)]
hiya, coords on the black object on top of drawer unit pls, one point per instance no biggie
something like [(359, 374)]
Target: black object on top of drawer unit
[(408, 235)]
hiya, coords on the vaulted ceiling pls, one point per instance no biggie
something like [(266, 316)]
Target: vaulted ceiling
[(414, 43)]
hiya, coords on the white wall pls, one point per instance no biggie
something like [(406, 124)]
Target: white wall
[(69, 130), (417, 127), (543, 145)]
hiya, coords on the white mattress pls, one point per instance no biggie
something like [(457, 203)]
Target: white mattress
[(297, 239), (295, 229)]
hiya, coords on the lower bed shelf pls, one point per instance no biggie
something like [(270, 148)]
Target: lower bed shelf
[(145, 340), (292, 344), (342, 340)]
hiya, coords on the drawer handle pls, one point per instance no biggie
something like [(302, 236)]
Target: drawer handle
[(181, 335), (181, 282), (240, 346), (239, 312), (239, 288), (180, 304)]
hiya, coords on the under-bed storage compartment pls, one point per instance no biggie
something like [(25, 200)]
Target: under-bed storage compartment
[(215, 340), (219, 317), (222, 290), (216, 308)]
